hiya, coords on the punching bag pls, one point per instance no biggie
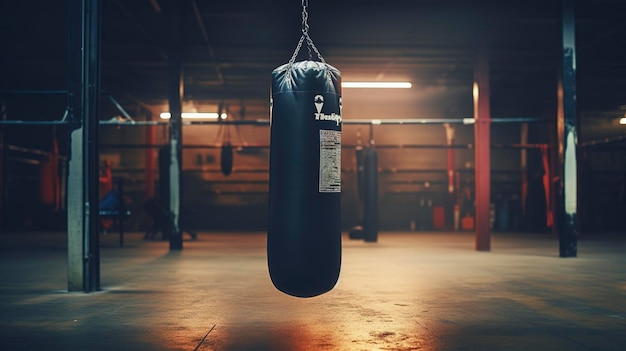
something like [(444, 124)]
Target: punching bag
[(360, 172), (356, 232), (226, 158), (370, 201), (304, 227)]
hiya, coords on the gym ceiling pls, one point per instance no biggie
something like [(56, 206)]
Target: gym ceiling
[(231, 47)]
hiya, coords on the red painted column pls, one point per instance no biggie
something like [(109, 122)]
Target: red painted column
[(450, 156), (547, 183), (555, 162), (482, 156), (524, 166), (452, 203)]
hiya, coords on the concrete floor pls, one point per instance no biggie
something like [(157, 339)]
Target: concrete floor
[(409, 291)]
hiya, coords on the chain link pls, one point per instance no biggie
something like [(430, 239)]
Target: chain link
[(305, 25), (305, 17), (305, 36), (295, 53)]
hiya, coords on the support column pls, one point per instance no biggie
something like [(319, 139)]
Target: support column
[(3, 117), (567, 137), (175, 122), (450, 156), (83, 101), (150, 159), (555, 165), (482, 156), (450, 162), (524, 165)]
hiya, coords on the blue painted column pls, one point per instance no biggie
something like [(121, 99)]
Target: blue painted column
[(568, 137)]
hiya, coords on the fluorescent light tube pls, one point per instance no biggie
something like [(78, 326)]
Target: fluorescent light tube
[(198, 115), (377, 85)]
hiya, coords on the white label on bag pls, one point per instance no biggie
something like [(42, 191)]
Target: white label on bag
[(330, 161)]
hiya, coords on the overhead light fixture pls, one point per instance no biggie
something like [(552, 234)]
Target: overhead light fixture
[(377, 85), (197, 115), (622, 120)]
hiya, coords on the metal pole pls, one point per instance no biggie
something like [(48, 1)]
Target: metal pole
[(122, 210), (91, 117), (524, 165), (568, 137), (450, 157), (482, 154), (75, 239), (3, 117), (175, 125), (450, 165), (83, 103), (150, 160), (264, 122), (23, 92)]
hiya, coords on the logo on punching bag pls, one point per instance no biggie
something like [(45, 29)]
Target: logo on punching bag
[(319, 116), (319, 103)]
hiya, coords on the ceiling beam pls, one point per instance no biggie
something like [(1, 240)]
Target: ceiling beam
[(142, 29), (205, 37)]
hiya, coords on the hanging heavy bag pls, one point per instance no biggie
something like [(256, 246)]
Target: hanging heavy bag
[(370, 198), (226, 158), (360, 172), (304, 232), (356, 232), (304, 227)]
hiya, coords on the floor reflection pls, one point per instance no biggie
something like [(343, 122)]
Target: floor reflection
[(334, 336)]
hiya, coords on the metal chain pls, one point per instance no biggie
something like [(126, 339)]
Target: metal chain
[(311, 45), (305, 25), (305, 35), (305, 17), (295, 53)]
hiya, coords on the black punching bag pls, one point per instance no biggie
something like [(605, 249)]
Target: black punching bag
[(370, 201), (304, 229), (226, 158), (360, 172)]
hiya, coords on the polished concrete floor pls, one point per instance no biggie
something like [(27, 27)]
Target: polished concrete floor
[(409, 291)]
